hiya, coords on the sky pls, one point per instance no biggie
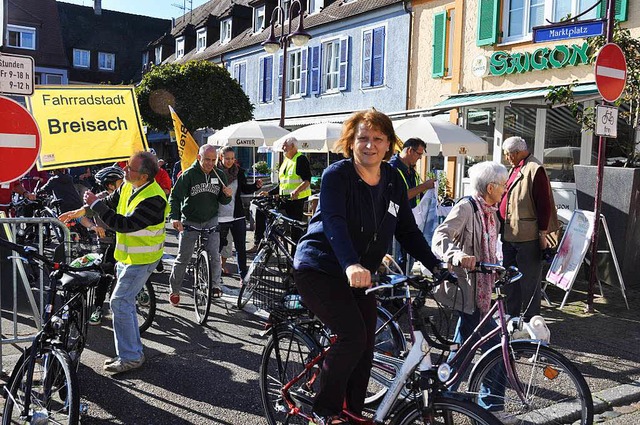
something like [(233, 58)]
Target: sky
[(153, 8)]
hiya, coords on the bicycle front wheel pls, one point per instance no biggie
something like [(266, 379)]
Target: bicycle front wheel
[(54, 390), (146, 306), (446, 411), (555, 391), (283, 358), (202, 287), (251, 280)]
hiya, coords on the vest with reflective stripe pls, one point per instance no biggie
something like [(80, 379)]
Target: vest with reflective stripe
[(143, 246), (289, 180)]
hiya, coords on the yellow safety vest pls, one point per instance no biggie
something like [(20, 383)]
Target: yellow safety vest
[(143, 246), (407, 184), (289, 180)]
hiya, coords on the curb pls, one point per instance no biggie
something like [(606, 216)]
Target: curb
[(616, 396)]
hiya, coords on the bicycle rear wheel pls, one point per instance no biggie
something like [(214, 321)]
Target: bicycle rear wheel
[(146, 306), (252, 279), (555, 391), (202, 287), (447, 411), (284, 357), (54, 393)]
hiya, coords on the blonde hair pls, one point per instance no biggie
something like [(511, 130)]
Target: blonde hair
[(374, 120)]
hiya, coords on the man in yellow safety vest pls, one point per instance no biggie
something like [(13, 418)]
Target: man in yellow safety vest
[(136, 211)]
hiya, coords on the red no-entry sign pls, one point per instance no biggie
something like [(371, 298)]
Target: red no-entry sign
[(19, 140), (611, 72)]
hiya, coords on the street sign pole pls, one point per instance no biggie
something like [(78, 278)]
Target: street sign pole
[(593, 275)]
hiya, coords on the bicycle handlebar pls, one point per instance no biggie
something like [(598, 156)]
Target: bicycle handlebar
[(506, 275), (418, 282), (207, 230), (279, 216)]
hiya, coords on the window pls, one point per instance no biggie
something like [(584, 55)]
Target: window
[(158, 53), (106, 61), (258, 19), (225, 31), (265, 86), (145, 59), (21, 37), (179, 47), (201, 39), (521, 16), (52, 78), (315, 6), (335, 62), (81, 58), (286, 7), (240, 74), (373, 48), (443, 33), (294, 74), (562, 9)]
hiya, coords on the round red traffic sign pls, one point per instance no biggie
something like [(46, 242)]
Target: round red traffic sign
[(611, 72), (19, 140)]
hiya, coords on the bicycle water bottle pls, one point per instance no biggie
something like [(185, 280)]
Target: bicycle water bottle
[(293, 302)]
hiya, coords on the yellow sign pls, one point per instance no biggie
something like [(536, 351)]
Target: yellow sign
[(187, 146), (84, 125)]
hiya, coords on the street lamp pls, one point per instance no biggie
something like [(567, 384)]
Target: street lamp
[(271, 45)]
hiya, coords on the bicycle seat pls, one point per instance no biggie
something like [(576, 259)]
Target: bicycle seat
[(72, 281)]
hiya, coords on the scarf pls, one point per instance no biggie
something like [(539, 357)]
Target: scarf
[(231, 173), (484, 282)]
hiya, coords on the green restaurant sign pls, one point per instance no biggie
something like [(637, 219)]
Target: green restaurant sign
[(540, 59)]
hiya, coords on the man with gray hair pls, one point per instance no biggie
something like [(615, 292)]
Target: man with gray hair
[(529, 214), (194, 201)]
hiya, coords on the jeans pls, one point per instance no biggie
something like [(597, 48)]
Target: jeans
[(186, 246), (126, 334), (492, 394), (238, 230), (351, 315), (524, 295)]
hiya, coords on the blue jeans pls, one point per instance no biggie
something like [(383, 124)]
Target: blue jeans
[(126, 334), (186, 246), (491, 395)]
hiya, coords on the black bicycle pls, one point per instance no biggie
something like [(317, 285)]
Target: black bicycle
[(43, 387), (202, 273)]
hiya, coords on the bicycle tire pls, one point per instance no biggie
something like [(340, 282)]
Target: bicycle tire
[(250, 281), (202, 282), (76, 328), (556, 390), (445, 410), (294, 348), (55, 396), (390, 341), (146, 306)]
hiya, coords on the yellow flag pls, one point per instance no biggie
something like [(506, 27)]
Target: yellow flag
[(187, 146)]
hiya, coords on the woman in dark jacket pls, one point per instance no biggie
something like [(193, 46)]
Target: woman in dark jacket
[(363, 204), (231, 216)]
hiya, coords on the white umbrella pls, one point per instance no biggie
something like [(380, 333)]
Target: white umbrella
[(440, 135), (571, 152), (315, 138), (250, 134)]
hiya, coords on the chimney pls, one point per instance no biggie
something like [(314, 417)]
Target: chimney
[(97, 7)]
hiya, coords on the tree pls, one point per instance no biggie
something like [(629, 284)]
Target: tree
[(203, 95), (563, 95)]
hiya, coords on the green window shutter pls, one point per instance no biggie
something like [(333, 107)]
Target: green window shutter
[(621, 10), (488, 22), (439, 43)]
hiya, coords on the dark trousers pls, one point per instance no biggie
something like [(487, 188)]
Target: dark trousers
[(293, 209), (351, 315), (524, 295), (238, 230)]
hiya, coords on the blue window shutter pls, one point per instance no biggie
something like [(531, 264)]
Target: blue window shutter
[(303, 71), (439, 44), (261, 82), (315, 69), (377, 74), (488, 13), (367, 53), (280, 71), (344, 63), (268, 79), (243, 75)]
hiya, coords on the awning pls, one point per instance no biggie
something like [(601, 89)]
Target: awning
[(472, 99)]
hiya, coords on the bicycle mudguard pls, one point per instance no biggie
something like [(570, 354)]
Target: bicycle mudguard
[(499, 347)]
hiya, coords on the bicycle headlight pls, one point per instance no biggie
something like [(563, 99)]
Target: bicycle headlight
[(444, 372)]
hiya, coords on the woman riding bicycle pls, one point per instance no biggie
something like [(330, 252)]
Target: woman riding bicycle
[(363, 204), (469, 235)]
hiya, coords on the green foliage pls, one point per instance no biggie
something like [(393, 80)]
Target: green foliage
[(442, 184), (563, 95), (261, 167), (203, 95)]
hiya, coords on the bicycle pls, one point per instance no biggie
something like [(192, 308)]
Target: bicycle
[(202, 273), (541, 385), (290, 368), (43, 385), (269, 273)]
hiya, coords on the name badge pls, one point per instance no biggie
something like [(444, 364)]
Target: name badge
[(214, 181), (393, 208)]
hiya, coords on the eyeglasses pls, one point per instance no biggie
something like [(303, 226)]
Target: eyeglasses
[(418, 153), (504, 185), (128, 167)]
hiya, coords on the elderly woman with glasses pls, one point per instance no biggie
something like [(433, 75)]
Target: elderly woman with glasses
[(469, 235)]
